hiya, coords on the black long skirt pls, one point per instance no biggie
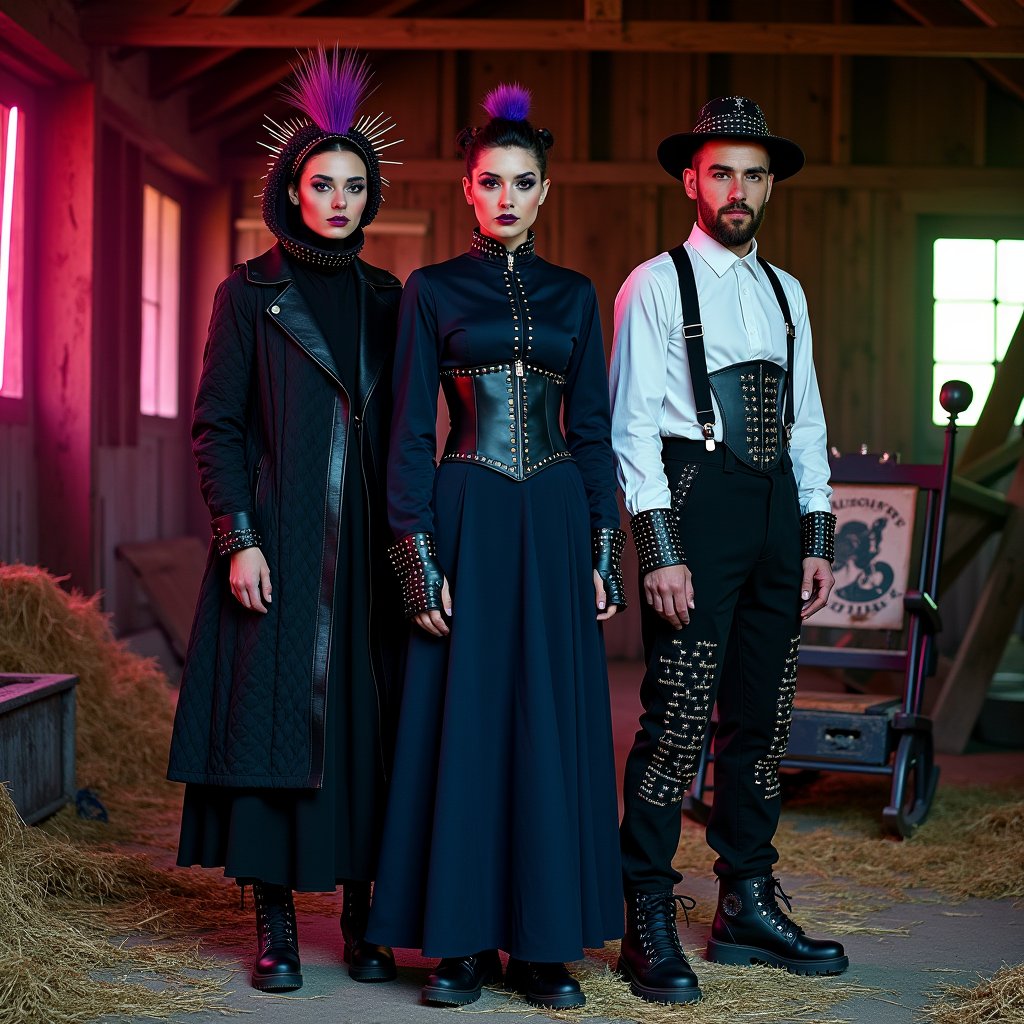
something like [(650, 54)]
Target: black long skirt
[(311, 839), (502, 823)]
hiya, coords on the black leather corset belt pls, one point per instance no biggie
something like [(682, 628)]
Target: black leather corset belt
[(750, 397), (505, 416)]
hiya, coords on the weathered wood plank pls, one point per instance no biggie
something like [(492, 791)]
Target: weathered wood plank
[(526, 36)]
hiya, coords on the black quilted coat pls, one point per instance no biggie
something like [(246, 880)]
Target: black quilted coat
[(270, 436)]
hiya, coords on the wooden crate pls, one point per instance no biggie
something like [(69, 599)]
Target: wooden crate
[(37, 741)]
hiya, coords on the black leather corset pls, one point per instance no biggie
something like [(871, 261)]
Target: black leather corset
[(750, 397), (505, 416)]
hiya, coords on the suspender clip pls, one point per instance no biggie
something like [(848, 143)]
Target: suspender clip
[(709, 436)]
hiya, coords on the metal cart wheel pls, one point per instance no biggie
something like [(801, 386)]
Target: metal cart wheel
[(914, 778)]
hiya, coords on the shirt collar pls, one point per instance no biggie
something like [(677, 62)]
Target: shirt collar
[(717, 256)]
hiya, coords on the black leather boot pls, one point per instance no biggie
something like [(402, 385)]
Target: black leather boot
[(366, 962), (457, 980), (277, 967), (751, 928), (652, 957), (543, 984)]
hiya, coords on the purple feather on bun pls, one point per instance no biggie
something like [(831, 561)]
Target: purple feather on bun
[(509, 101), (329, 90)]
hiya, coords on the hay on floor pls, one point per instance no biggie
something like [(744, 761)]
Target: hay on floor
[(737, 995), (997, 999)]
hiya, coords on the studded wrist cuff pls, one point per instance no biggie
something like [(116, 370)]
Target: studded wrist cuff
[(656, 535), (607, 545), (818, 535), (414, 559), (235, 531)]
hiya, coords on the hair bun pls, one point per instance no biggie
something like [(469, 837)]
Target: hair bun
[(547, 140), (464, 138)]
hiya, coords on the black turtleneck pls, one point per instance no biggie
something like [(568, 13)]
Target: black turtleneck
[(333, 298)]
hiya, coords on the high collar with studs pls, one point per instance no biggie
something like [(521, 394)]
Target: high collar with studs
[(483, 247)]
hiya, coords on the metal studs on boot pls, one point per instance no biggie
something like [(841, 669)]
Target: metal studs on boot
[(652, 957), (277, 967), (751, 928), (366, 962)]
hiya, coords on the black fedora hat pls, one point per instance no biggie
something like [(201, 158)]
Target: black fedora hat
[(730, 117)]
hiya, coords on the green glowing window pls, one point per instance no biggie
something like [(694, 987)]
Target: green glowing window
[(977, 301)]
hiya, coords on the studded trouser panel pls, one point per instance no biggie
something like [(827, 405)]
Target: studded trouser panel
[(741, 534)]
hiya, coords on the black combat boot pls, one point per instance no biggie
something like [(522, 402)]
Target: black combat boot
[(366, 962), (652, 957), (543, 984), (457, 980), (277, 967), (751, 928)]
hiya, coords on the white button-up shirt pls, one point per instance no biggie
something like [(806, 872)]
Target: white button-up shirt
[(652, 396)]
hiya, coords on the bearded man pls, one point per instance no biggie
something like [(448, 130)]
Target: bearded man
[(719, 434)]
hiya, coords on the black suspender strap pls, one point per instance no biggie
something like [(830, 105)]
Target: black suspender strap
[(693, 335), (788, 415)]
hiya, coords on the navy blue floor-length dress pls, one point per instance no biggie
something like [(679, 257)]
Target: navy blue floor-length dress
[(501, 829)]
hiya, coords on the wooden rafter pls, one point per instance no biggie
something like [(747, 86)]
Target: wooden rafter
[(171, 71), (1007, 75), (556, 34)]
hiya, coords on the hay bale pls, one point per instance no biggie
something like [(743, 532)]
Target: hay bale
[(996, 999), (125, 704)]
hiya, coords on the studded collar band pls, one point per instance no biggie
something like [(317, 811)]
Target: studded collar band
[(483, 247), (322, 258)]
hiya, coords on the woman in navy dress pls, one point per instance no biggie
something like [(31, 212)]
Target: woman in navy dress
[(501, 829)]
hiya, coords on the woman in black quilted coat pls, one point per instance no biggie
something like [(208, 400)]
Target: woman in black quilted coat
[(284, 722)]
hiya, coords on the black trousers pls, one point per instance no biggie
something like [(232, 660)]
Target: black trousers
[(741, 535)]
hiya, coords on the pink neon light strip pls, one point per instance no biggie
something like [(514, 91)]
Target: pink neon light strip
[(5, 217), (6, 212)]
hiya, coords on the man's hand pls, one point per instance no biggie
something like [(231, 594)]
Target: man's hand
[(669, 592), (250, 579), (816, 586)]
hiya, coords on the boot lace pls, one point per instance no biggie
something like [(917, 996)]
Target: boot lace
[(276, 916), (775, 915), (656, 916)]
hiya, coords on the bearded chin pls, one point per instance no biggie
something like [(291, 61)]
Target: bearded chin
[(727, 233)]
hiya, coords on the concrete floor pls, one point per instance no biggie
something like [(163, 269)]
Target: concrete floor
[(943, 944)]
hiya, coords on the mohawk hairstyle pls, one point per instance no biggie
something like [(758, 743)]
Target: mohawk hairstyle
[(329, 90), (509, 101)]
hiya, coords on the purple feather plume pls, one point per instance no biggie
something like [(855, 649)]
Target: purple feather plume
[(510, 101), (329, 89)]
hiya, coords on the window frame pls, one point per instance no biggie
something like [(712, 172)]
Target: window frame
[(929, 436), (14, 92)]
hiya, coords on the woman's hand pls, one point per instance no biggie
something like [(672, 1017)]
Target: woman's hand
[(433, 621), (603, 611), (250, 577)]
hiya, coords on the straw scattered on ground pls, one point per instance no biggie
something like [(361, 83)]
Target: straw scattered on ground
[(995, 1000), (739, 995)]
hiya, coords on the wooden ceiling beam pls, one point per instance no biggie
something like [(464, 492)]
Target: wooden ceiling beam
[(170, 71), (555, 34), (995, 13)]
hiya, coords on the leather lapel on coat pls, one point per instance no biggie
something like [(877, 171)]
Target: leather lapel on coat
[(372, 354), (290, 311)]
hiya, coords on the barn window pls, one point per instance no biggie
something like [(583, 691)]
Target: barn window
[(977, 301), (12, 234), (161, 255)]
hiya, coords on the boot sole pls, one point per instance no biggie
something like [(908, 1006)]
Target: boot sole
[(656, 995), (749, 956), (446, 997), (276, 982)]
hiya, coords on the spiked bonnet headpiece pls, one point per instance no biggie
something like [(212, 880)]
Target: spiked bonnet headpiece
[(730, 117), (328, 90)]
